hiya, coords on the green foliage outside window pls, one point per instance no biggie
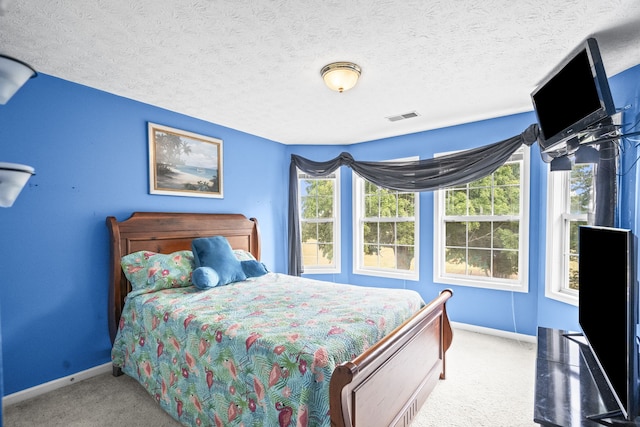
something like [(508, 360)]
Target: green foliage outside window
[(581, 203), (388, 228), (481, 225), (316, 213)]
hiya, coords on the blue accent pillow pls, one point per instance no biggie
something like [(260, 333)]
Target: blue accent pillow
[(253, 268), (205, 278), (216, 252)]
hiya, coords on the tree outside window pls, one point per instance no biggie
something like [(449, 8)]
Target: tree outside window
[(319, 219), (580, 207), (385, 231), (570, 200), (480, 230)]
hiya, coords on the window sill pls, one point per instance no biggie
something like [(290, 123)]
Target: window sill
[(479, 283), (413, 275), (310, 270), (565, 297)]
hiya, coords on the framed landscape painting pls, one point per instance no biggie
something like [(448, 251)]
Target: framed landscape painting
[(182, 163)]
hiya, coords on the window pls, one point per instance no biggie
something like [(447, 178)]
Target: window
[(570, 204), (481, 229), (385, 231), (320, 222)]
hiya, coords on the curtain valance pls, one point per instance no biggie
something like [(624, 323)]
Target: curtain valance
[(418, 175)]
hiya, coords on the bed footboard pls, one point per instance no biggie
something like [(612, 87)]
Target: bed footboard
[(387, 384)]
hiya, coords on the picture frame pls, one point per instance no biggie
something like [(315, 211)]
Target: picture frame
[(183, 163)]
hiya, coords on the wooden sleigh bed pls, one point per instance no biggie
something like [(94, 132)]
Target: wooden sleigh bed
[(385, 385)]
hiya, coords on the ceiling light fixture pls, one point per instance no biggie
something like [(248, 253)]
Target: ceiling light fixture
[(13, 74), (340, 76), (13, 177)]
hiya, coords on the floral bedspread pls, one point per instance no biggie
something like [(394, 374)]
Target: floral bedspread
[(254, 353)]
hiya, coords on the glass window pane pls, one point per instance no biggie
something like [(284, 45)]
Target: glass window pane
[(371, 255), (506, 200), (506, 235), (479, 262), (480, 201), (482, 182), (371, 206), (455, 261), (388, 205), (455, 202), (406, 205), (387, 232), (308, 207), (405, 233), (574, 227), (505, 264), (309, 232), (507, 174), (325, 207), (309, 253), (573, 272), (307, 187), (387, 257), (370, 188), (405, 257), (581, 192), (370, 234), (325, 187), (325, 232), (325, 254), (456, 234), (480, 235)]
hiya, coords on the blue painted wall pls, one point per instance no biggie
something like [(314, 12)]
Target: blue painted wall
[(494, 309), (89, 149)]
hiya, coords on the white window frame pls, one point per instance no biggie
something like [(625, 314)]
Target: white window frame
[(557, 248), (358, 260), (520, 285), (335, 268)]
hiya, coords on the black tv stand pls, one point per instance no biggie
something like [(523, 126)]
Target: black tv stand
[(613, 418), (570, 389)]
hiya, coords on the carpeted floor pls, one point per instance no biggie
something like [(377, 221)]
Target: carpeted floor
[(490, 382)]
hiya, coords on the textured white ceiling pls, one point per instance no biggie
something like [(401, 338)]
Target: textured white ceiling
[(254, 65)]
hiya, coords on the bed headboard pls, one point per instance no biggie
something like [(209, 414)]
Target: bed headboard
[(166, 233)]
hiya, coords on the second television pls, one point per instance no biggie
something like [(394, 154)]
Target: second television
[(573, 97), (608, 307)]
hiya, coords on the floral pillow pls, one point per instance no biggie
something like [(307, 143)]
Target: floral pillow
[(151, 271), (243, 255)]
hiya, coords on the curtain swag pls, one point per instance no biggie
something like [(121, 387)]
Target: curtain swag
[(418, 175)]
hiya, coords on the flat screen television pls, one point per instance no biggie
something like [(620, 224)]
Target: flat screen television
[(573, 97), (608, 309)]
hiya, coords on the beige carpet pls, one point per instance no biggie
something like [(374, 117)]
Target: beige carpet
[(490, 382)]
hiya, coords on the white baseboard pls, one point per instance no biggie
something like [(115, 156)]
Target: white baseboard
[(55, 384), (496, 332)]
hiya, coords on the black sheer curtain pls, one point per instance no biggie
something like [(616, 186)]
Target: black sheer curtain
[(436, 173), (419, 175)]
